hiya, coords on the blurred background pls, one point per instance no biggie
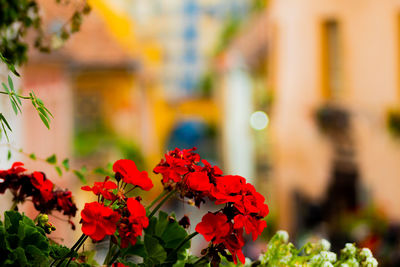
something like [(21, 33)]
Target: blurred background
[(299, 97)]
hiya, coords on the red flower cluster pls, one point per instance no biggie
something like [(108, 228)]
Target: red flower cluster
[(98, 220), (114, 211), (44, 197), (244, 206), (126, 170), (132, 223)]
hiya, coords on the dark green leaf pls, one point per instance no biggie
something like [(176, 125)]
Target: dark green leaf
[(155, 252), (9, 155), (52, 159), (2, 118), (32, 156)]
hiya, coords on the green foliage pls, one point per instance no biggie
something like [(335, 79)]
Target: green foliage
[(17, 17), (282, 253), (162, 245), (22, 243), (16, 104)]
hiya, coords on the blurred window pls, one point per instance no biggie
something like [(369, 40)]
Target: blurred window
[(331, 61)]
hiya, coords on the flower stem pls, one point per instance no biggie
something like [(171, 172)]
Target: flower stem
[(161, 203), (187, 238), (161, 195), (199, 260), (71, 252), (114, 257), (77, 249), (14, 205), (110, 248)]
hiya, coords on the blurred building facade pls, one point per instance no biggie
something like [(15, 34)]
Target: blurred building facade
[(335, 74)]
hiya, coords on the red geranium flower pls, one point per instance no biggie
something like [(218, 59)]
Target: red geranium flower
[(98, 220), (250, 224), (199, 181), (44, 185), (228, 188), (214, 227), (102, 188), (252, 202), (127, 170), (176, 164), (15, 169), (132, 227), (64, 202), (234, 243)]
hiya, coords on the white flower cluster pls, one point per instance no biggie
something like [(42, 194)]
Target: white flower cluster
[(282, 253)]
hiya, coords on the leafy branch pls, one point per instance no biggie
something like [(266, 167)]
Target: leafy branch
[(16, 103), (19, 17), (63, 166)]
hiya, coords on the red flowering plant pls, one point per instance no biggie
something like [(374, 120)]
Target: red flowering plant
[(135, 230), (35, 187)]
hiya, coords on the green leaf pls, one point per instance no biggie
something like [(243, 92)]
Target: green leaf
[(59, 171), (12, 99), (14, 106), (155, 252), (32, 156), (65, 163), (48, 111), (5, 87), (52, 159), (10, 83), (59, 251), (2, 118), (80, 176), (10, 66), (9, 154), (18, 99), (44, 120), (43, 112)]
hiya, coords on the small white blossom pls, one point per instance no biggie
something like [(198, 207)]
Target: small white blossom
[(328, 256), (325, 244), (366, 252), (350, 249), (326, 264), (283, 235), (370, 262)]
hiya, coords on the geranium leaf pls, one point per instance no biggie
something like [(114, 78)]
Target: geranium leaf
[(156, 253)]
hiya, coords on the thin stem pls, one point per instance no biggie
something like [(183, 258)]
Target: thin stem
[(161, 203), (183, 242), (163, 193), (77, 249), (130, 190), (108, 253), (70, 252), (14, 205), (12, 93), (114, 257), (187, 238), (199, 260)]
